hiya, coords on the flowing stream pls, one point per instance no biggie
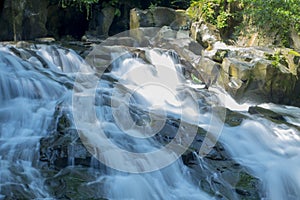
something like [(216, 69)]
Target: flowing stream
[(131, 101)]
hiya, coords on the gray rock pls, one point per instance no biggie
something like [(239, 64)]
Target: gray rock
[(101, 21), (159, 17), (204, 33)]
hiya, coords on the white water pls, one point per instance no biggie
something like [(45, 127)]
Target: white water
[(270, 151), (158, 88), (29, 93), (27, 101)]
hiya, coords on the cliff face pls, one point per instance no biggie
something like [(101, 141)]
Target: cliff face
[(23, 19), (28, 20)]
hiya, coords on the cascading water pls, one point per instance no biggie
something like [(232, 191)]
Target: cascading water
[(28, 96), (36, 86), (270, 150)]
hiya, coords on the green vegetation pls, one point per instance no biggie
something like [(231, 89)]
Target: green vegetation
[(274, 15), (216, 12), (278, 16), (277, 58), (178, 4), (79, 3)]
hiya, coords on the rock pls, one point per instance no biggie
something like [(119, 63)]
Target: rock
[(204, 33), (122, 41), (45, 40), (159, 17), (218, 174), (23, 20), (296, 39), (63, 147), (74, 183), (16, 191), (269, 114), (101, 21), (60, 151), (220, 55), (231, 118), (251, 37), (23, 44), (255, 74), (210, 70)]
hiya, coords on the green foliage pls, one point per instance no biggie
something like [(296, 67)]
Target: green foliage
[(152, 7), (295, 53), (278, 16), (274, 15), (79, 3), (277, 58), (216, 12)]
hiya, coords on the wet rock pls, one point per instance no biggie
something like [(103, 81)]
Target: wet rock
[(23, 44), (74, 183), (63, 147), (269, 114), (60, 151), (16, 191), (210, 70), (218, 174)]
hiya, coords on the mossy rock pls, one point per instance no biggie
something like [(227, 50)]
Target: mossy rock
[(72, 183), (16, 191), (277, 118), (271, 115), (245, 185), (220, 55), (231, 118)]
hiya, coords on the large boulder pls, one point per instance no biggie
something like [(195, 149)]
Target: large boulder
[(204, 33), (101, 21), (159, 17)]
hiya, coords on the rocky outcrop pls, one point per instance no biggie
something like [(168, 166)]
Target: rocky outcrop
[(204, 33), (251, 36), (159, 17), (256, 74), (101, 21), (28, 20)]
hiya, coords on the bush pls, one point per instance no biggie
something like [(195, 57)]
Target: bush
[(279, 16)]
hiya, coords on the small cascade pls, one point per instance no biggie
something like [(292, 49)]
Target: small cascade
[(135, 131), (29, 94), (130, 113), (271, 151)]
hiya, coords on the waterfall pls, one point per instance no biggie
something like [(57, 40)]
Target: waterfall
[(29, 93), (71, 130)]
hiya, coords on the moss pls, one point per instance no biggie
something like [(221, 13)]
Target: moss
[(245, 180), (71, 183), (232, 118), (220, 55), (247, 186)]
